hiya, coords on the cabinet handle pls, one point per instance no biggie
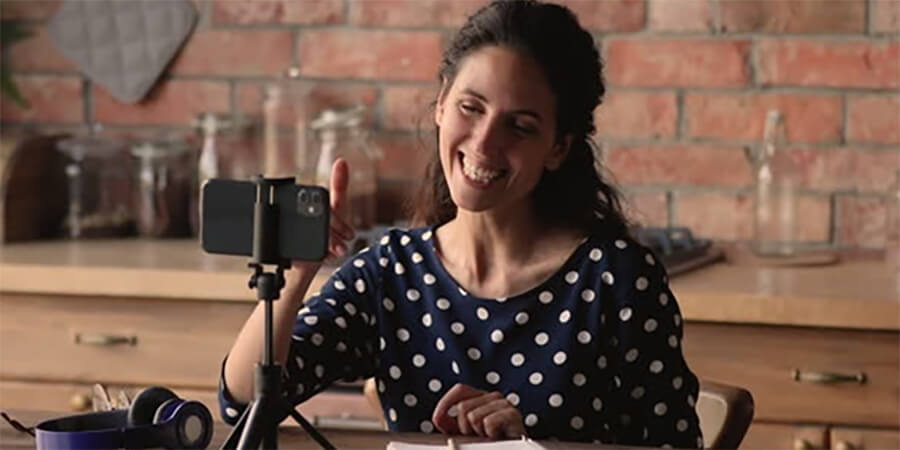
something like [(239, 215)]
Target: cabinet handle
[(802, 444), (104, 340), (827, 377), (843, 445)]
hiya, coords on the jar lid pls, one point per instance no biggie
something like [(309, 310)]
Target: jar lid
[(80, 147), (330, 118), (160, 148)]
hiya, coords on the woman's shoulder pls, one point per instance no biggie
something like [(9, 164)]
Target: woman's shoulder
[(623, 255)]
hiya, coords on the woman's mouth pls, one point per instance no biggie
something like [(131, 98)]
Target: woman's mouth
[(479, 174)]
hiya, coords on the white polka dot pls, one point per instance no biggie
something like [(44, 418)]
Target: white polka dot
[(588, 295), (381, 343), (559, 358), (392, 414), (299, 362), (360, 286), (531, 420), (304, 310), (649, 258), (388, 304), (416, 257), (231, 412), (650, 325), (426, 235), (341, 347), (429, 279), (564, 316), (418, 360), (395, 372), (399, 269), (455, 367), (317, 339), (517, 359), (439, 344), (339, 285), (664, 299), (426, 320), (677, 382), (660, 409), (656, 366), (541, 338), (637, 392), (584, 337), (691, 401), (404, 240), (443, 304), (426, 426), (385, 240), (513, 398), (607, 278), (403, 334), (320, 371), (579, 379), (383, 262), (457, 328), (474, 353), (492, 377), (555, 400), (597, 404), (631, 355), (462, 292), (413, 295), (350, 308), (577, 422), (331, 301), (673, 341), (572, 277), (699, 442), (601, 362), (595, 254), (545, 297), (625, 314), (311, 320), (621, 244), (677, 320), (536, 378), (482, 313), (522, 318), (625, 419), (496, 336), (358, 263), (410, 400), (681, 425), (434, 385), (613, 341), (641, 283)]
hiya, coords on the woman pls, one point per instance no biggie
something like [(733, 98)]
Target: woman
[(521, 306)]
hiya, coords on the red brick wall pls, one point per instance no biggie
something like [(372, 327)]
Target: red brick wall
[(690, 82)]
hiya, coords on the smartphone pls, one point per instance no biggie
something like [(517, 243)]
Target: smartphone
[(226, 225)]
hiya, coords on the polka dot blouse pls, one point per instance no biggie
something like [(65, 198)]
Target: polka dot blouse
[(591, 354)]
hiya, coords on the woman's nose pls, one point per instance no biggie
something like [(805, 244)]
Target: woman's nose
[(488, 135)]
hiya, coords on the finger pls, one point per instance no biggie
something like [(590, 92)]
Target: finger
[(505, 423), (340, 179), (339, 225), (457, 393), (469, 415)]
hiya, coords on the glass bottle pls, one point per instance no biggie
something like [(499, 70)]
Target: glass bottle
[(165, 177), (775, 193), (892, 224)]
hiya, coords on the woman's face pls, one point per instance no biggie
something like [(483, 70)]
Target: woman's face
[(497, 125)]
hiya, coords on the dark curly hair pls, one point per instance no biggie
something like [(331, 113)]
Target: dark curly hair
[(574, 194)]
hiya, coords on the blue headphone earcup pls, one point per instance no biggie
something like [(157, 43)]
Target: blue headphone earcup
[(164, 412), (186, 424), (143, 408)]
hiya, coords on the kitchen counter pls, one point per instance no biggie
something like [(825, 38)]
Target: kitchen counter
[(857, 294)]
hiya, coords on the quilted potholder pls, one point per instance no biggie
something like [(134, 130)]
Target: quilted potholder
[(122, 45)]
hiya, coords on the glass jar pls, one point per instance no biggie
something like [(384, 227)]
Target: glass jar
[(99, 204), (165, 177)]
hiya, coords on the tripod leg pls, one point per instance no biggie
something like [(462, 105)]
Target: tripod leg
[(310, 429), (254, 427), (235, 435)]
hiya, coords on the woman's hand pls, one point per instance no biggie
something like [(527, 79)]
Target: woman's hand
[(341, 231), (466, 410)]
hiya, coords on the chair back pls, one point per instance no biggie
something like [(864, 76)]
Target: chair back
[(725, 414)]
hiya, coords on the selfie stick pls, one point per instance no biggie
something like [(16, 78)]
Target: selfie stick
[(258, 426)]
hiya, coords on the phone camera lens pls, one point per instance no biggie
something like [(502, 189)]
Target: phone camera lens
[(316, 197), (303, 196)]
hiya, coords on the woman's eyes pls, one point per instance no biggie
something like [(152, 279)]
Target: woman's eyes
[(469, 109)]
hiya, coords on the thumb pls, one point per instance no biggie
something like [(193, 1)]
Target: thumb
[(340, 179)]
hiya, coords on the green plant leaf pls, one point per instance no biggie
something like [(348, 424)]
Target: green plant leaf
[(8, 87), (11, 32)]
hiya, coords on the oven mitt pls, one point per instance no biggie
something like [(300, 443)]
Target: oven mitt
[(123, 46)]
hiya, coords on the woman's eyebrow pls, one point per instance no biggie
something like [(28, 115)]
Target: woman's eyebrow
[(479, 96)]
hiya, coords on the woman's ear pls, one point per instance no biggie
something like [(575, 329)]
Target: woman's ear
[(439, 106), (559, 152)]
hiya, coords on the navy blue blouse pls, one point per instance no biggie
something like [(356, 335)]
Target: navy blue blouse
[(591, 354)]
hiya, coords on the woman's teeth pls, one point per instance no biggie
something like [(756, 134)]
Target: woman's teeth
[(479, 174)]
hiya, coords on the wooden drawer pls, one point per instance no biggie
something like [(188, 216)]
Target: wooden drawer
[(172, 343), (762, 359), (770, 436), (847, 438)]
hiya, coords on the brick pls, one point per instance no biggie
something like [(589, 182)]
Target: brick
[(844, 169), (679, 164), (270, 12), (626, 114), (715, 215), (874, 118), (393, 55), (608, 15), (680, 15), (53, 98), (313, 96), (173, 102), (808, 117), (885, 16), (677, 62), (37, 53), (409, 107), (828, 63), (28, 9), (413, 13), (403, 155), (806, 16), (861, 222), (236, 53), (649, 209), (874, 170)]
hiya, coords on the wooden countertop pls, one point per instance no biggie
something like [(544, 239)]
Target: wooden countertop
[(851, 294)]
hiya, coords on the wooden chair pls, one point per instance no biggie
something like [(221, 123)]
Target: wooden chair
[(725, 414)]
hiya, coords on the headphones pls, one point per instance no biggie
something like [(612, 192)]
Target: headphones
[(156, 418)]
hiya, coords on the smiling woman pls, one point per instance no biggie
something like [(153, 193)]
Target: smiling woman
[(519, 305)]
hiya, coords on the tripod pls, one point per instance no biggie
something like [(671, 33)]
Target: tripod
[(258, 424)]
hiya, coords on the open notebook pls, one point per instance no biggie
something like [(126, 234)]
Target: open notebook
[(514, 444)]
